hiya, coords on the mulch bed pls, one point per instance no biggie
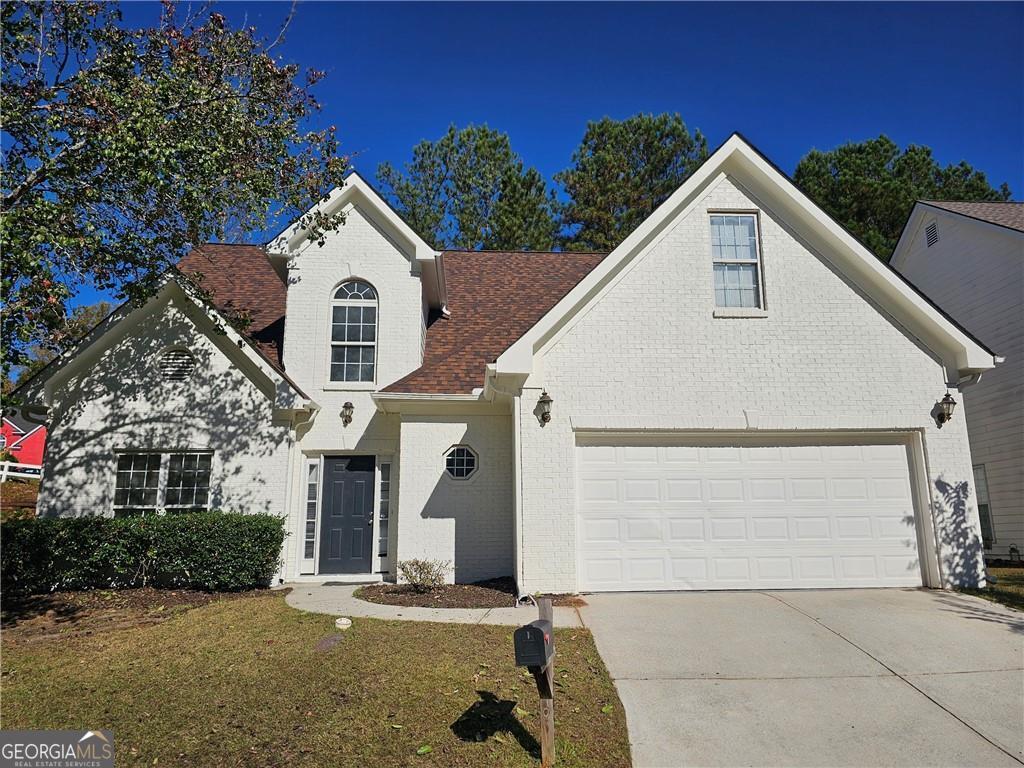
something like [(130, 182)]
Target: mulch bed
[(18, 499), (62, 614), (493, 593)]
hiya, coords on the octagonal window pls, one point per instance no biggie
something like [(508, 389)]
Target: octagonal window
[(460, 462)]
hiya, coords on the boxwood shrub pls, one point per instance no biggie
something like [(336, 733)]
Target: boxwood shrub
[(214, 551)]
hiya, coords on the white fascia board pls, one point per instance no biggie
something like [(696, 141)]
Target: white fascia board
[(416, 403), (120, 323), (355, 191), (737, 157)]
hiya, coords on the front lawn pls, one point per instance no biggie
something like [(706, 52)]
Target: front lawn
[(1008, 589), (250, 681)]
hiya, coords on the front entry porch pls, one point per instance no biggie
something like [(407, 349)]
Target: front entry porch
[(344, 526)]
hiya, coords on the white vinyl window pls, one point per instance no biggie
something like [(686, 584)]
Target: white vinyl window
[(312, 506), (147, 483), (385, 509), (460, 462), (736, 258), (354, 332), (988, 535)]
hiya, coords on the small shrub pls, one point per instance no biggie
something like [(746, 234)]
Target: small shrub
[(213, 551), (424, 575)]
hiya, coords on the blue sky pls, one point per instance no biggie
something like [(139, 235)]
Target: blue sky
[(788, 76)]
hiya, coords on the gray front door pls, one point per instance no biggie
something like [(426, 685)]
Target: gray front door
[(346, 519)]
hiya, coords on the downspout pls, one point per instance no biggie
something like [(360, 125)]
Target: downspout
[(517, 471)]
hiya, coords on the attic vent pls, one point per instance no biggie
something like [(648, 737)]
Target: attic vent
[(176, 365), (931, 234)]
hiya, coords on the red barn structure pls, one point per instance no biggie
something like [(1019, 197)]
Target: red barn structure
[(22, 438)]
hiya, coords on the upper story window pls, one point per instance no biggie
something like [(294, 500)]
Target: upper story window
[(737, 260), (354, 332)]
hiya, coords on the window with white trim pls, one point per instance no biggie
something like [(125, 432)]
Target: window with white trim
[(312, 504), (354, 332), (385, 509), (737, 261), (147, 483), (460, 462), (988, 535)]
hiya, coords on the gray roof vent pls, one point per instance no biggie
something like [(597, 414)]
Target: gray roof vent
[(176, 365), (931, 234)]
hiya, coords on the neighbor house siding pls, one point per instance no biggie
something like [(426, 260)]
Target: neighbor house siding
[(121, 403), (975, 272), (650, 354), (465, 522)]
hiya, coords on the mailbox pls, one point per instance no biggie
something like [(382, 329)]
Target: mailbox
[(534, 644)]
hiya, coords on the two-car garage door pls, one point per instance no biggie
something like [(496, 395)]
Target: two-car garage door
[(741, 515)]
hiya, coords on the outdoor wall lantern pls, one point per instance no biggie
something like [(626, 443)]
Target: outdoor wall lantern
[(944, 409), (544, 404), (346, 413)]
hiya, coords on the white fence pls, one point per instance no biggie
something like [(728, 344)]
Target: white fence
[(14, 469)]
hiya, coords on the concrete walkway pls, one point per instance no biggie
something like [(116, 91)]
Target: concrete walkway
[(337, 600), (815, 678)]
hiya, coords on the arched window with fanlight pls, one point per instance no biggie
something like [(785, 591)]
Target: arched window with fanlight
[(354, 332)]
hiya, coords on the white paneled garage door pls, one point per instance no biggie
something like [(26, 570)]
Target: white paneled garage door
[(745, 516)]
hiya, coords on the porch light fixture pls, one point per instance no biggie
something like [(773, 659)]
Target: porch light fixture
[(946, 406), (346, 413), (545, 406)]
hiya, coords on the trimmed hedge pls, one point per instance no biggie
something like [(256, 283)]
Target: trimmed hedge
[(213, 551)]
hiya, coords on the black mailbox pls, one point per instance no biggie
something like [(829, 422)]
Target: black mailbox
[(534, 644)]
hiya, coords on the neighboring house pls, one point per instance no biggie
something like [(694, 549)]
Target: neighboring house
[(969, 258), (740, 395), (22, 438)]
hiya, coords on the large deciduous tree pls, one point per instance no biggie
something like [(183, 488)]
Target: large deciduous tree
[(124, 147), (870, 186), (468, 189), (623, 170)]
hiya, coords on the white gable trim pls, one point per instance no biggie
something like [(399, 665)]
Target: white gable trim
[(356, 192), (15, 427), (736, 157), (25, 436), (41, 388)]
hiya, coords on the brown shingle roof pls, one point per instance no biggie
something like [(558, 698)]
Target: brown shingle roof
[(1008, 214), (241, 279), (494, 297)]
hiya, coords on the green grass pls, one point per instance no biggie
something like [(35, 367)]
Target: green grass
[(1008, 589), (243, 683)]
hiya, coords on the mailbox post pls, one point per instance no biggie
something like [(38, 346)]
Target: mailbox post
[(535, 650)]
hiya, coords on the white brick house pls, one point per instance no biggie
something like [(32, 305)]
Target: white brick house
[(741, 396), (969, 258)]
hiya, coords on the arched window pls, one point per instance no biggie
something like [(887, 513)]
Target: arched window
[(353, 332)]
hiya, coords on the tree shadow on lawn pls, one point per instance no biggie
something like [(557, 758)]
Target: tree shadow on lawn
[(492, 715), (27, 607)]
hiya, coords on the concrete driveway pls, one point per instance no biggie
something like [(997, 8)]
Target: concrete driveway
[(815, 678)]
